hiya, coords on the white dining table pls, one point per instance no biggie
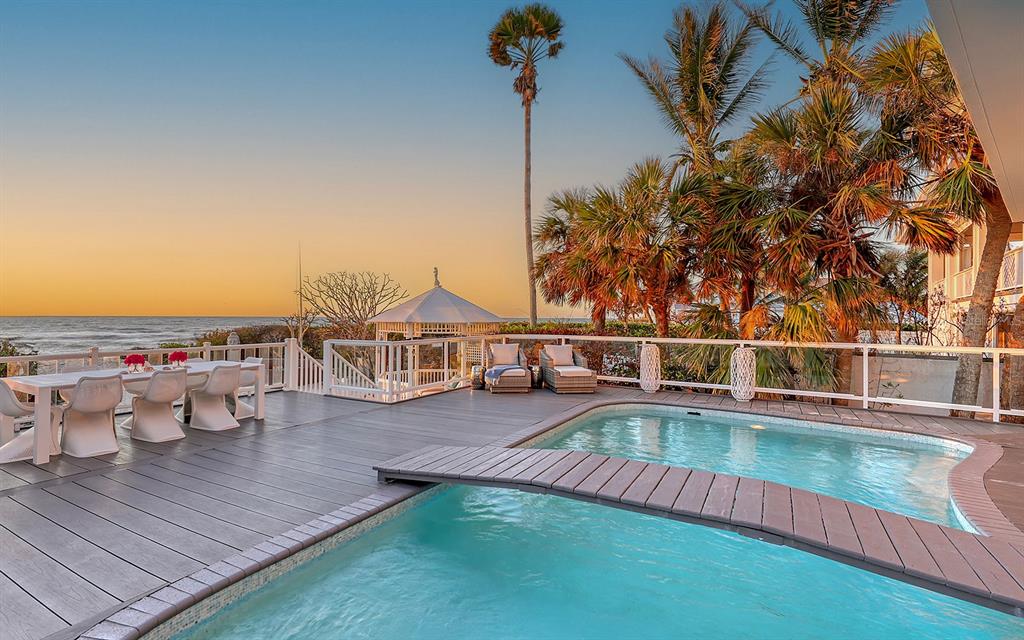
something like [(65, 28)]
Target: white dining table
[(42, 387)]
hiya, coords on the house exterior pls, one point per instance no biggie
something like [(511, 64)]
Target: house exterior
[(951, 282)]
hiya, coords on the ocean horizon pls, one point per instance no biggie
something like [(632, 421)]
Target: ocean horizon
[(69, 334)]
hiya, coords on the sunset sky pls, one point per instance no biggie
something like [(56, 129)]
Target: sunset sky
[(166, 158)]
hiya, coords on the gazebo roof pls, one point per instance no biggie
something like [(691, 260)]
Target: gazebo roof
[(437, 305)]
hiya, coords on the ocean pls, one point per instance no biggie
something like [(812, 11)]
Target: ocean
[(65, 334)]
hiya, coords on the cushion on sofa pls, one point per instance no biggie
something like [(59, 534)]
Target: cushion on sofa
[(574, 372), (504, 354), (560, 354)]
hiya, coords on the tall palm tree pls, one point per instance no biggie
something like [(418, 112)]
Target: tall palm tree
[(708, 82), (520, 40), (910, 74)]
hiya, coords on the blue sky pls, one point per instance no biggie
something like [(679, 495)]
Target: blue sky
[(378, 133)]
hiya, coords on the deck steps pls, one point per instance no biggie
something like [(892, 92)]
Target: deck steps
[(958, 563)]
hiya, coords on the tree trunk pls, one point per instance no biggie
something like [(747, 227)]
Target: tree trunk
[(527, 214), (661, 313), (968, 372), (598, 318), (1015, 395), (748, 292)]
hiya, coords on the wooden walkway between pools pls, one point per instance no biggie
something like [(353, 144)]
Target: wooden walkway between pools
[(965, 565)]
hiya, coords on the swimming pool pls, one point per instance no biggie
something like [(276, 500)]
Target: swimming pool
[(474, 562), (905, 474)]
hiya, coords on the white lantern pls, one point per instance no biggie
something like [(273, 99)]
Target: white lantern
[(742, 373), (650, 367)]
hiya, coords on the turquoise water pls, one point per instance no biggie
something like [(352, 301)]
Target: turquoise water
[(898, 475), (474, 563)]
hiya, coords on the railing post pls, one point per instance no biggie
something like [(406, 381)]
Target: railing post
[(864, 378), (207, 352), (995, 386), (93, 357), (291, 364), (328, 368)]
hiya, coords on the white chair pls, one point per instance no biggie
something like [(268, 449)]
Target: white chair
[(89, 417), (153, 417), (209, 408), (247, 380), (20, 447)]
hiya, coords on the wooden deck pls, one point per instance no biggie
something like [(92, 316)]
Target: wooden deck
[(965, 565), (79, 539)]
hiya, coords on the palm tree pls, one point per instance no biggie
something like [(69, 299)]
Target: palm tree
[(709, 82), (565, 270), (706, 83), (842, 177), (910, 73), (520, 40), (626, 247), (904, 281)]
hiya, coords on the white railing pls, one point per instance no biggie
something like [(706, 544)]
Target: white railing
[(273, 354), (392, 371), (309, 373), (892, 376), (1011, 276), (962, 285)]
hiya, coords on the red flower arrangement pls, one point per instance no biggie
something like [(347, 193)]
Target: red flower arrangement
[(134, 359), (177, 357)]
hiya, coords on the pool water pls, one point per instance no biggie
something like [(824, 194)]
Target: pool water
[(472, 562), (896, 474)]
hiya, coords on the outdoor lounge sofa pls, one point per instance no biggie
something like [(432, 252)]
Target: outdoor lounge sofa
[(565, 370), (514, 379)]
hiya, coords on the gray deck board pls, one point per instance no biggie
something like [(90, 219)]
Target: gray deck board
[(643, 487), (190, 511), (597, 478), (667, 491), (721, 496), (807, 524), (133, 520), (872, 537), (62, 591), (839, 529), (22, 617), (95, 564), (749, 504), (135, 549), (913, 554), (694, 493), (621, 481)]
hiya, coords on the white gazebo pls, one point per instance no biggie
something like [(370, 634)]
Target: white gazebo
[(435, 313)]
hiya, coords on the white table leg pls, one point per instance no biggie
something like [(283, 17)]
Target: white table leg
[(6, 429), (41, 441), (261, 391)]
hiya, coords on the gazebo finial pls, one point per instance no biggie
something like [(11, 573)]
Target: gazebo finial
[(437, 282)]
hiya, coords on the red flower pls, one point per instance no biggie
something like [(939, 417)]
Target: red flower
[(134, 358), (177, 356)]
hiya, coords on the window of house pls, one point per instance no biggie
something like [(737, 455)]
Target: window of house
[(967, 249)]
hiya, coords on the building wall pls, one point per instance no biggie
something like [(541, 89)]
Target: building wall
[(951, 278)]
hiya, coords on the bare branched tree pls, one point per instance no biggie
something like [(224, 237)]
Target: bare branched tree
[(346, 300), (299, 323)]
